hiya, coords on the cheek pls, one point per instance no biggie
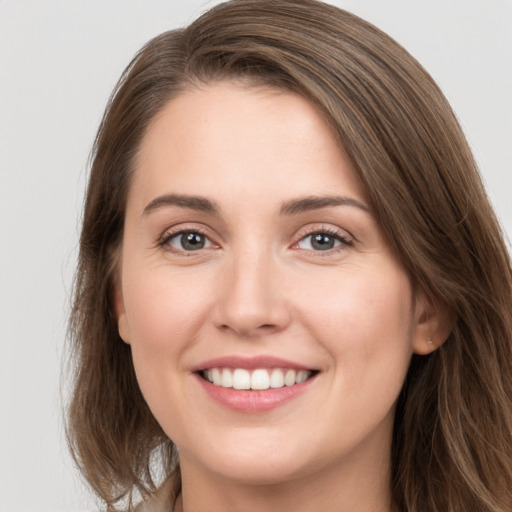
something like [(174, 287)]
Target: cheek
[(163, 311), (364, 320)]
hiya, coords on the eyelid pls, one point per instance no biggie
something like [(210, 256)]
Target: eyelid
[(178, 229), (344, 236)]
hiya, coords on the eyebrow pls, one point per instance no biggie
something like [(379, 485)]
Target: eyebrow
[(310, 203), (292, 207), (197, 203)]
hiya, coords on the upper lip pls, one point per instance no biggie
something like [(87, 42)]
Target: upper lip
[(249, 363)]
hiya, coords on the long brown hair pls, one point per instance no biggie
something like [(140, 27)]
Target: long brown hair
[(452, 446)]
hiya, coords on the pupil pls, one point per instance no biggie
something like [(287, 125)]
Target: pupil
[(322, 242), (192, 241)]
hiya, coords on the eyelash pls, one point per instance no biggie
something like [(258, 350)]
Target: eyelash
[(339, 236), (335, 234), (169, 235)]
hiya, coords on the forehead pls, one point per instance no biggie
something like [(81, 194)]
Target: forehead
[(241, 138)]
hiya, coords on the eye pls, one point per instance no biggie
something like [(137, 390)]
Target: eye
[(322, 241), (187, 241)]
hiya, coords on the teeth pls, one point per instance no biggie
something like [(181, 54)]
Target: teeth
[(289, 378), (276, 378), (241, 378), (259, 379), (301, 376), (226, 379), (216, 377)]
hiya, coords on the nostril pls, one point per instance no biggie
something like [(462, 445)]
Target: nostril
[(248, 330)]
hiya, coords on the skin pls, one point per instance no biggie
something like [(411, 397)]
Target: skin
[(259, 287)]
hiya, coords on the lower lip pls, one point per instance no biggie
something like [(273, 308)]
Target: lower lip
[(252, 400)]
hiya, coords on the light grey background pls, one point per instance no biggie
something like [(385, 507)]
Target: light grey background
[(59, 61)]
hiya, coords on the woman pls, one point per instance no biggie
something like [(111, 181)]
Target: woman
[(292, 290)]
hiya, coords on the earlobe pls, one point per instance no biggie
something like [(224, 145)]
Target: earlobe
[(122, 321), (433, 325)]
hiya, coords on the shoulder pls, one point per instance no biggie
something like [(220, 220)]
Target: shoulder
[(161, 501)]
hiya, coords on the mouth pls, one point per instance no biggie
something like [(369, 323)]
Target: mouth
[(254, 384), (257, 379)]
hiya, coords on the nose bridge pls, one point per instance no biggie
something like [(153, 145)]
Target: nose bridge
[(252, 300)]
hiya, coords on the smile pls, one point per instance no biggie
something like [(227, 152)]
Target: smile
[(257, 379), (254, 384)]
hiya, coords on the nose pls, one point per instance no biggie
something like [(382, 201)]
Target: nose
[(252, 298)]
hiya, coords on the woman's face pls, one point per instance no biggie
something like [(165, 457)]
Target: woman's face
[(251, 258)]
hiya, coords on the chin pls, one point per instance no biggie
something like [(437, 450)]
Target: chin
[(248, 469), (249, 460)]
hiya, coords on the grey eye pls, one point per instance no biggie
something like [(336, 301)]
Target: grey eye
[(320, 242), (188, 241)]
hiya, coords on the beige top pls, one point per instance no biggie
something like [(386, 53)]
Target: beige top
[(161, 501)]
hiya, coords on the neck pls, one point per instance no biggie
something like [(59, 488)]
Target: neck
[(363, 487)]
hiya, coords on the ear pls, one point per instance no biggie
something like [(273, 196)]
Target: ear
[(120, 311), (433, 324)]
